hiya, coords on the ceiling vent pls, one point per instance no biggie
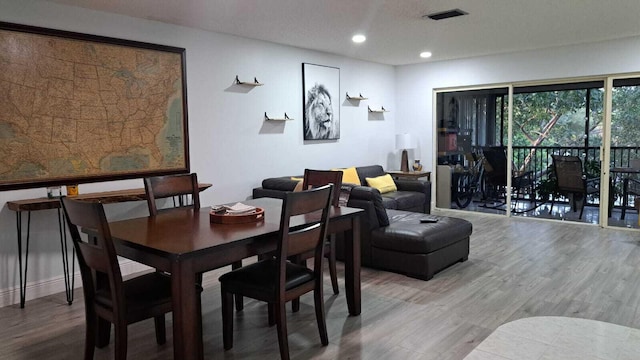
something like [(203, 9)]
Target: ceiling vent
[(445, 14)]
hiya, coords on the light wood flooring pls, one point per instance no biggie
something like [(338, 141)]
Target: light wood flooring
[(517, 268)]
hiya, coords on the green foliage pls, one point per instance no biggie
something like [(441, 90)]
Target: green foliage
[(555, 118)]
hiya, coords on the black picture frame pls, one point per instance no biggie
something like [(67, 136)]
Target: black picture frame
[(80, 108), (320, 102)]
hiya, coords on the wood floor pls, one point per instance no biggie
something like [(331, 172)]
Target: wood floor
[(517, 268)]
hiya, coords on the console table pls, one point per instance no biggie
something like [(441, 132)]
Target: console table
[(29, 205), (411, 175)]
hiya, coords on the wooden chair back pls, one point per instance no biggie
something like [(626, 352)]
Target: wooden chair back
[(98, 255), (314, 204), (317, 178), (183, 189)]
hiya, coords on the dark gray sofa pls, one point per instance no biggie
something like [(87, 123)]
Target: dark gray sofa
[(412, 195)]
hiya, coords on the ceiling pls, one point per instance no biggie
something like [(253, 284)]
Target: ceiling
[(396, 32)]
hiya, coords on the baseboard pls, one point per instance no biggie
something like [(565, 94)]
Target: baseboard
[(55, 285)]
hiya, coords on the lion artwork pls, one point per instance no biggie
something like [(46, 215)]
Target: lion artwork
[(318, 121)]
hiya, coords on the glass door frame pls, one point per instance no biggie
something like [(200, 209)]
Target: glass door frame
[(605, 154)]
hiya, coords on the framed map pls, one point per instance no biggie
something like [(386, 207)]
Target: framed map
[(80, 108)]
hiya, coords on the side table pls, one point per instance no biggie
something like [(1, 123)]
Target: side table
[(29, 205), (410, 175)]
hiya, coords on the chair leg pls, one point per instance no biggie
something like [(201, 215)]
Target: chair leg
[(295, 305), (239, 299), (161, 330), (320, 316), (90, 334), (332, 264), (271, 314), (104, 333), (281, 322), (227, 319), (121, 340)]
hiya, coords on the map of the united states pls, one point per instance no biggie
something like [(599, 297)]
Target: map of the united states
[(78, 108)]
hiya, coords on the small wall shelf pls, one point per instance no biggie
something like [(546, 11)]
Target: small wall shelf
[(357, 98), (285, 118), (381, 110), (247, 83)]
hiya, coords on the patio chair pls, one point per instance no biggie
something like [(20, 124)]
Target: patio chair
[(631, 185), (572, 181), (496, 173)]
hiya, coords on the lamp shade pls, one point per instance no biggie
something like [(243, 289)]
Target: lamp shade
[(404, 141)]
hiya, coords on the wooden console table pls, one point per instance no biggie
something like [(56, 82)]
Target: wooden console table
[(29, 205), (411, 175)]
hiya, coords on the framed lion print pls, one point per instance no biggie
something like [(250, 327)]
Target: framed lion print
[(321, 109)]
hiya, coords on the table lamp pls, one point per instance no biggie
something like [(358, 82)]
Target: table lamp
[(404, 142)]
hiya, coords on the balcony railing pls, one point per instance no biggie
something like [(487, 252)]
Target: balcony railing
[(538, 160)]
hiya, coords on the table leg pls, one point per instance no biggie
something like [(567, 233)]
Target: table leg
[(187, 317), (23, 275), (352, 267), (69, 278)]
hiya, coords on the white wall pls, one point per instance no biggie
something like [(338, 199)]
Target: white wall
[(231, 145), (415, 83)]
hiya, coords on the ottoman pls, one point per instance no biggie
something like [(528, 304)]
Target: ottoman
[(419, 249)]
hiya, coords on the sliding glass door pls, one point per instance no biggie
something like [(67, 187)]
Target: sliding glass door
[(467, 123), (624, 154)]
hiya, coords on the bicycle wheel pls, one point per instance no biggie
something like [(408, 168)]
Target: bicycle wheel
[(464, 191)]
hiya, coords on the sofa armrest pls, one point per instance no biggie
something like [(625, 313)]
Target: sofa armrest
[(413, 185), (279, 183), (421, 186), (371, 195), (262, 192)]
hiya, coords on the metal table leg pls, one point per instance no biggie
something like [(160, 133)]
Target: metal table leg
[(69, 277), (23, 273)]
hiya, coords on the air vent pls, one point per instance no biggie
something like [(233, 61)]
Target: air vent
[(445, 14)]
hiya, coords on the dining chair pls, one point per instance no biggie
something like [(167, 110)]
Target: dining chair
[(573, 181), (276, 280), (108, 299), (181, 189), (184, 193), (317, 178)]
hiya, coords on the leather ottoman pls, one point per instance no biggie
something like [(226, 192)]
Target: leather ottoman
[(419, 249)]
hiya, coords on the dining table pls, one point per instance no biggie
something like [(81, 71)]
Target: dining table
[(184, 242)]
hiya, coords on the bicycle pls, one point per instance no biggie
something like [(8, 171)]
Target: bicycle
[(469, 182)]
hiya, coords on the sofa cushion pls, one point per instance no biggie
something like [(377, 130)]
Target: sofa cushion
[(383, 183), (349, 176), (405, 199), (407, 234)]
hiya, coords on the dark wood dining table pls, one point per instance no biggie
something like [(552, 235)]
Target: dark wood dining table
[(185, 243)]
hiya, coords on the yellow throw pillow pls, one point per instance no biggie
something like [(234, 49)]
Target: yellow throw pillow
[(349, 175), (298, 185), (383, 183)]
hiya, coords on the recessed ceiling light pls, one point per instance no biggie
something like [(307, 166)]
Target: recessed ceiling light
[(425, 54), (359, 38)]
